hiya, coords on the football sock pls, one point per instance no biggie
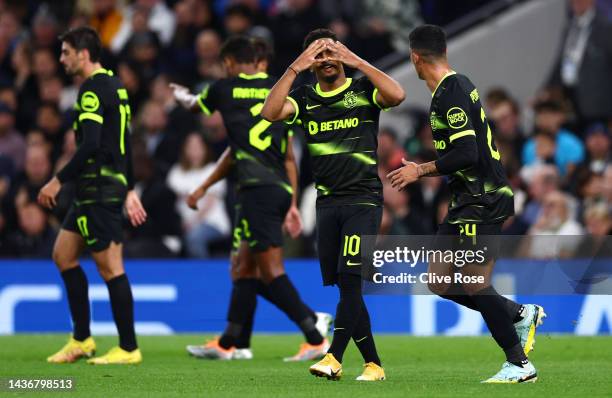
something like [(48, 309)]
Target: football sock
[(122, 305), (242, 305), (494, 311), (348, 312), (362, 335), (244, 339), (77, 291), (457, 294), (264, 291), (287, 299)]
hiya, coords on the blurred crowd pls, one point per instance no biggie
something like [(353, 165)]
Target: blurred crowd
[(556, 148)]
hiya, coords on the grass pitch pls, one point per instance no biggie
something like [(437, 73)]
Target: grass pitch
[(415, 367)]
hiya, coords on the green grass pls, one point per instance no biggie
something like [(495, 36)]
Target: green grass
[(416, 367)]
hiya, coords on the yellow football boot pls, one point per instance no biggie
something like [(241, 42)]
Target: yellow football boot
[(74, 350), (372, 372), (117, 356), (327, 367)]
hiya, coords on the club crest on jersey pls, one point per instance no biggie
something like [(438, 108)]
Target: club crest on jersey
[(457, 118), (350, 100)]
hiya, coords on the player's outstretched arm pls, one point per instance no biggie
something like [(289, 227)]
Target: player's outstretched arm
[(184, 97), (222, 169), (277, 106), (293, 220), (389, 93)]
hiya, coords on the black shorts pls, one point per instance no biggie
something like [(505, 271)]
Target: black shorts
[(339, 232), (99, 225), (260, 214), (470, 236)]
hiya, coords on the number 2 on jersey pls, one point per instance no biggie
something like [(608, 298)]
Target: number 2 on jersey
[(256, 131)]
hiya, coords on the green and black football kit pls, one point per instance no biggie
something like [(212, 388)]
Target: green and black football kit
[(101, 166), (341, 128), (259, 150), (481, 196), (481, 200)]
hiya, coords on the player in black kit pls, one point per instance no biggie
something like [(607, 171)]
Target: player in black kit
[(481, 199), (102, 171), (339, 116), (261, 155)]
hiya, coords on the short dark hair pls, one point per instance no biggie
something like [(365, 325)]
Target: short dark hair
[(84, 38), (428, 40), (240, 48), (317, 34), (263, 50)]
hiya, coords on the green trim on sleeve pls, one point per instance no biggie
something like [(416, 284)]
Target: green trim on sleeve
[(461, 134), (91, 116), (297, 110)]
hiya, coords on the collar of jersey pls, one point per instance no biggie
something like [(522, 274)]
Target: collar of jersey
[(441, 80), (258, 75), (340, 89), (102, 70)]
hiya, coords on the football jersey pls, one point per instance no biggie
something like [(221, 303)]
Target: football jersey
[(341, 129), (480, 193), (103, 99), (258, 146)]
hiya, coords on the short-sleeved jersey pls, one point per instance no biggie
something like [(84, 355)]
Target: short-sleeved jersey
[(480, 193), (103, 99), (258, 146), (341, 128)]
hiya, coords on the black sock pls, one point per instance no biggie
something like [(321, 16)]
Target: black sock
[(362, 335), (264, 291), (348, 312), (77, 291), (494, 311), (244, 339), (457, 294), (242, 306), (287, 299), (122, 304), (516, 355)]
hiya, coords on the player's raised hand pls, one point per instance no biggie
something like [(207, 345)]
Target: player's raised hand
[(183, 96), (194, 197), (47, 194), (293, 222), (405, 175), (341, 53), (309, 56), (135, 211)]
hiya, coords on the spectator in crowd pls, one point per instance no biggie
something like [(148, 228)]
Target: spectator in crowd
[(45, 30), (207, 48), (162, 145), (555, 221), (390, 152), (137, 91), (12, 144), (210, 221), (569, 150), (160, 235), (509, 138), (181, 120), (106, 18), (49, 121), (542, 180), (583, 66), (289, 27), (399, 217), (35, 237), (160, 20)]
